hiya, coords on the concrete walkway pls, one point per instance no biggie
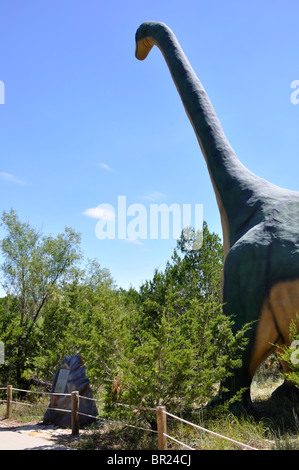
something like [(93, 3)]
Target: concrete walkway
[(14, 440), (24, 439)]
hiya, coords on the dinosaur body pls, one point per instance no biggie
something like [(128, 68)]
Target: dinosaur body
[(260, 221)]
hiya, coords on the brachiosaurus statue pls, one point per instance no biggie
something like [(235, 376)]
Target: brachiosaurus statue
[(260, 223)]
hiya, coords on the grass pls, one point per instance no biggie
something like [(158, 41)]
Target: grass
[(23, 413), (270, 427), (273, 425)]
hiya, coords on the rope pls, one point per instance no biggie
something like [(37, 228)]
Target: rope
[(124, 424), (23, 403), (136, 407), (211, 432), (40, 406), (79, 413), (88, 398), (59, 409), (143, 408), (42, 393), (118, 422), (179, 442)]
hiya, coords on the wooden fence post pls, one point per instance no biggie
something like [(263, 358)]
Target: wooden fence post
[(75, 415), (161, 426), (8, 402)]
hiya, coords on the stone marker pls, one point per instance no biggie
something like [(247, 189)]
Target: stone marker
[(2, 351), (70, 377)]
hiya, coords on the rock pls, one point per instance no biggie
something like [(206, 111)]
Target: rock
[(70, 377)]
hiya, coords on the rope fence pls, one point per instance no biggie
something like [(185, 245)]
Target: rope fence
[(161, 417), (245, 446)]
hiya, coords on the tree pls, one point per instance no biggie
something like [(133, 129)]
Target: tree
[(179, 363), (199, 271), (180, 345), (84, 316), (97, 313), (192, 274), (33, 267)]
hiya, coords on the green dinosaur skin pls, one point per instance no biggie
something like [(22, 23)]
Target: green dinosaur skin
[(260, 221)]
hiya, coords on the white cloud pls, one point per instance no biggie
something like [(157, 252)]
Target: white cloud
[(155, 196), (102, 212), (134, 241), (11, 178), (105, 166)]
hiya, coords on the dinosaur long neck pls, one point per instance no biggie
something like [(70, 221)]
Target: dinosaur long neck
[(234, 185)]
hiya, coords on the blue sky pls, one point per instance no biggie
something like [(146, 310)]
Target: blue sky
[(84, 122)]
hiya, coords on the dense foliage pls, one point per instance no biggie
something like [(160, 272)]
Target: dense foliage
[(167, 343), (290, 354)]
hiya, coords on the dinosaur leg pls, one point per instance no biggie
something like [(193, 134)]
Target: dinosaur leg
[(238, 382), (286, 391), (242, 298), (279, 310), (261, 339), (271, 332)]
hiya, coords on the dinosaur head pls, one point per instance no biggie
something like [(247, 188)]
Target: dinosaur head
[(144, 41), (146, 36)]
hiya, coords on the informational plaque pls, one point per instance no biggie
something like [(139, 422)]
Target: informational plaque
[(2, 356), (61, 381)]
